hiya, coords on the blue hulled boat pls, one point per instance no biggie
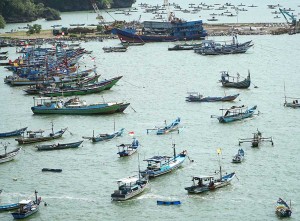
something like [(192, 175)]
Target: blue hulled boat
[(239, 157), (236, 113), (128, 149), (197, 97), (103, 137), (168, 128), (159, 165), (27, 208), (7, 207), (13, 133), (283, 209)]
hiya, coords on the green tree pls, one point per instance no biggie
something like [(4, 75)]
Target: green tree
[(2, 22), (34, 29)]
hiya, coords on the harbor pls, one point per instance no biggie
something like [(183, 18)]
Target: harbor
[(155, 82)]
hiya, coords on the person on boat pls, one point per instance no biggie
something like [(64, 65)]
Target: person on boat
[(200, 183)]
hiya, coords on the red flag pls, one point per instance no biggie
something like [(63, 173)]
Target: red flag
[(131, 133)]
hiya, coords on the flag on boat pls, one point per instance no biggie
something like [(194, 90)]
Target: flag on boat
[(219, 151), (131, 133)]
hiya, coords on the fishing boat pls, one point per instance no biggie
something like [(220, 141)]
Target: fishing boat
[(183, 47), (211, 47), (234, 82), (166, 129), (235, 113), (293, 104), (51, 170), (8, 156), (283, 209), (37, 136), (159, 165), (7, 207), (115, 49), (59, 146), (212, 19), (197, 97), (13, 133), (160, 202), (27, 208), (239, 157), (128, 149), (129, 187), (208, 183), (75, 106), (256, 139), (104, 137), (82, 89)]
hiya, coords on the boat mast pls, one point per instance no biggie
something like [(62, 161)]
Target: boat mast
[(219, 151), (284, 93), (174, 151), (166, 3), (52, 127), (36, 200)]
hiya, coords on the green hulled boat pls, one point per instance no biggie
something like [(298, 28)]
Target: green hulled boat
[(75, 106), (85, 89)]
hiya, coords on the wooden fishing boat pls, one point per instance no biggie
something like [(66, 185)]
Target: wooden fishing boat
[(239, 157), (234, 82), (256, 139), (129, 187), (197, 97), (37, 136), (8, 156), (51, 170), (283, 209), (128, 149), (115, 49), (59, 146), (13, 133), (166, 129), (40, 88), (7, 207), (82, 90), (103, 137), (27, 208), (75, 106), (293, 104), (235, 113), (159, 165), (160, 202), (183, 47)]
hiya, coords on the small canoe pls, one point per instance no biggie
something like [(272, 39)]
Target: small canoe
[(13, 133), (168, 202), (59, 146), (51, 170)]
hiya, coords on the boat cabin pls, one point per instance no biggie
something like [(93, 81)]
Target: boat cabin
[(203, 181), (35, 134), (128, 184), (234, 111), (155, 163)]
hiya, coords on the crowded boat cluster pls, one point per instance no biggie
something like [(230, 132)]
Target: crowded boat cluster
[(51, 73)]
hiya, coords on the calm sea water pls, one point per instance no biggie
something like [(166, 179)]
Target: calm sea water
[(155, 82)]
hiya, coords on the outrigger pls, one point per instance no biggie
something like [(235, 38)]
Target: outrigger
[(167, 128), (257, 139)]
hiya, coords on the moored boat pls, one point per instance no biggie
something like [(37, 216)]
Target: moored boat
[(128, 149), (239, 157), (283, 209), (51, 170), (59, 146), (293, 104), (167, 129), (37, 136), (8, 156), (75, 106), (13, 133), (197, 97), (234, 82), (27, 208), (161, 202), (159, 165), (104, 137), (236, 113)]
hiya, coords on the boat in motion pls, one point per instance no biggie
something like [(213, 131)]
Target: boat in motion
[(283, 209)]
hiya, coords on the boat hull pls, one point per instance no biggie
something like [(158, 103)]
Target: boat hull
[(58, 146), (17, 215), (118, 196), (8, 207), (9, 156), (211, 99), (28, 140), (13, 133)]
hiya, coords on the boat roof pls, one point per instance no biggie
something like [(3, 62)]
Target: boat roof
[(202, 177), (158, 159), (234, 107), (47, 98), (24, 202), (130, 179)]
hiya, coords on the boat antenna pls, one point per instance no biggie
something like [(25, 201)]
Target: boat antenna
[(36, 200), (139, 166), (52, 127), (114, 125), (174, 151), (219, 151)]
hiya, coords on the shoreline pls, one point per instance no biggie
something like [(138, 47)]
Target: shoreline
[(223, 29)]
